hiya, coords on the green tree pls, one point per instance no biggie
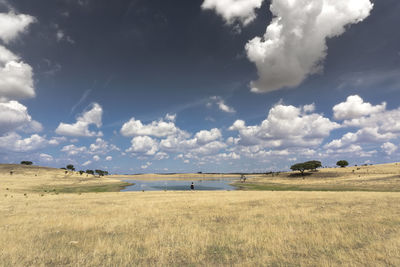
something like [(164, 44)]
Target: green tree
[(301, 167), (99, 172), (70, 167), (81, 172), (26, 162), (308, 165), (313, 164), (342, 163), (89, 171)]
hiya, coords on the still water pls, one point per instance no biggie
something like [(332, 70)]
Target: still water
[(159, 185)]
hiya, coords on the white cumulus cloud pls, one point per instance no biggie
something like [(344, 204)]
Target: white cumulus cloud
[(355, 107), (13, 142), (81, 127), (294, 44), (73, 150), (234, 10), (143, 145), (159, 128), (204, 136), (102, 147), (16, 77), (365, 135), (375, 123), (12, 25), (14, 116), (46, 157), (285, 126), (389, 148)]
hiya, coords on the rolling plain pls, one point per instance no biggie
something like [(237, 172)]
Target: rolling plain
[(332, 217)]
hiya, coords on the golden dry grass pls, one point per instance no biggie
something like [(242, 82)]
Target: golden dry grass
[(34, 178), (236, 228), (382, 177), (201, 228)]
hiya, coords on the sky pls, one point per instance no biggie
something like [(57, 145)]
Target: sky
[(152, 86)]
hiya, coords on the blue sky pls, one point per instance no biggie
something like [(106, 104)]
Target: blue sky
[(209, 85)]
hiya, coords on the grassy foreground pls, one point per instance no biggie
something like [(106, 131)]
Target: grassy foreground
[(201, 228), (42, 226)]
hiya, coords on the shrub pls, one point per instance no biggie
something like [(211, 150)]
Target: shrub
[(342, 163), (308, 165), (70, 167), (26, 162)]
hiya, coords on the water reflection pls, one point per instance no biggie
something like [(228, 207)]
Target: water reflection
[(159, 185)]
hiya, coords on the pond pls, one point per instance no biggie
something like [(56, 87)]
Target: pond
[(160, 185)]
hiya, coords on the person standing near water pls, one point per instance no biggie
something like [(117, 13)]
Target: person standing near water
[(192, 186)]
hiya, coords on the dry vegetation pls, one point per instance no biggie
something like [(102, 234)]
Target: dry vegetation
[(197, 228), (26, 179), (383, 178), (201, 228)]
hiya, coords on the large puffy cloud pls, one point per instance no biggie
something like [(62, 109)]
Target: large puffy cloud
[(294, 44), (161, 137), (349, 151), (13, 142), (288, 133), (81, 127), (143, 145), (285, 126), (204, 136), (16, 77), (357, 113), (12, 25), (102, 147), (234, 10), (365, 115), (73, 150), (16, 82), (159, 128), (355, 107), (99, 147), (208, 148), (177, 144), (389, 148), (376, 124), (14, 116), (204, 142), (365, 135)]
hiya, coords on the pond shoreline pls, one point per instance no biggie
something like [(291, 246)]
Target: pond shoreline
[(213, 184)]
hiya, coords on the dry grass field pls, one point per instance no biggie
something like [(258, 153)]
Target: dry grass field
[(209, 228), (201, 228), (27, 179), (378, 178)]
